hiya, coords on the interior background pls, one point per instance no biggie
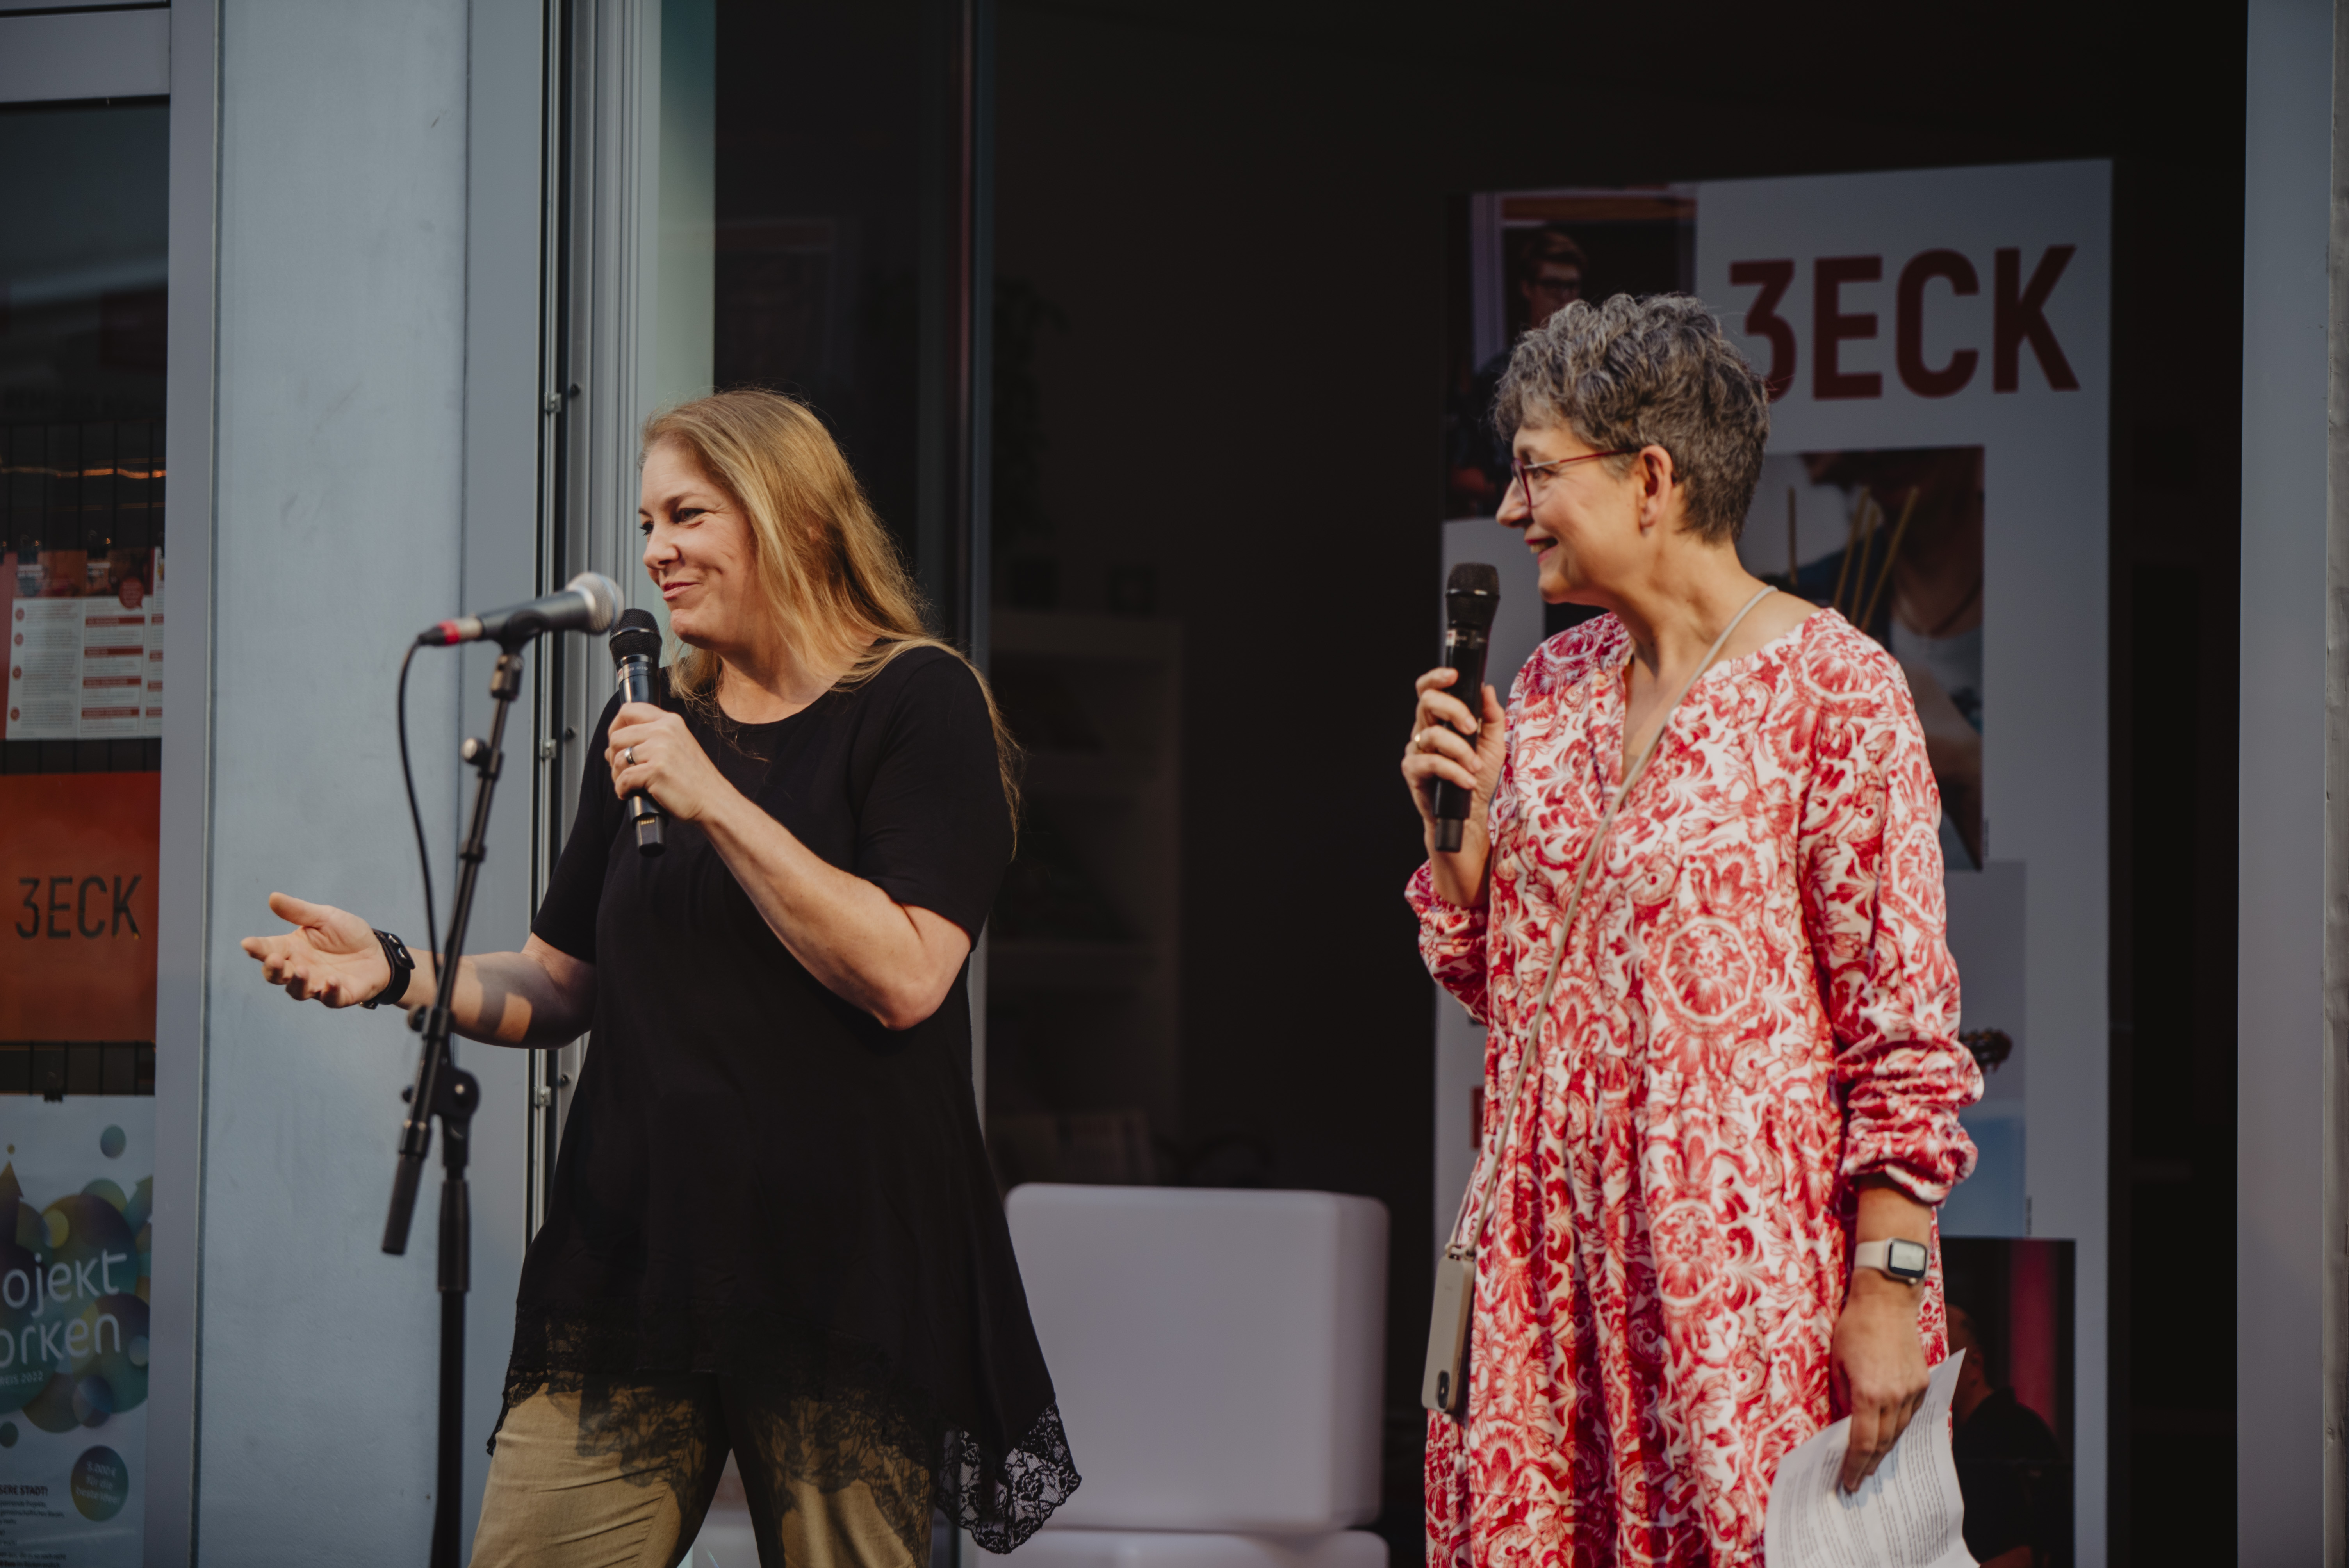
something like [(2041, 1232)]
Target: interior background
[(1238, 222)]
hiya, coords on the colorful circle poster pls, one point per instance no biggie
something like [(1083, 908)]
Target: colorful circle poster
[(76, 1189)]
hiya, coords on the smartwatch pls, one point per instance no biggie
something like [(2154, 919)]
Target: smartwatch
[(403, 967), (1904, 1261)]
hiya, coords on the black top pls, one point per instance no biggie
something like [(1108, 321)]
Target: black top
[(2012, 1477), (756, 1178)]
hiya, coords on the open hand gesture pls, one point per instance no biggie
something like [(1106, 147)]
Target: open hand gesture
[(331, 955)]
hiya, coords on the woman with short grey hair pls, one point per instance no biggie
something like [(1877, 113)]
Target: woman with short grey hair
[(1698, 904)]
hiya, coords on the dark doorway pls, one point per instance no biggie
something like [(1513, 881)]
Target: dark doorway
[(1222, 236)]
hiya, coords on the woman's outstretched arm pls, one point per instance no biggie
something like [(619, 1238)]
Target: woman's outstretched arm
[(538, 996)]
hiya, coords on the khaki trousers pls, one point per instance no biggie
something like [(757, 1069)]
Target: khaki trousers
[(620, 1477)]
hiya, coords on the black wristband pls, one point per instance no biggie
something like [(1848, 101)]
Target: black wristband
[(403, 970)]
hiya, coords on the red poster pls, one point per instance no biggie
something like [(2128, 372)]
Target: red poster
[(78, 856)]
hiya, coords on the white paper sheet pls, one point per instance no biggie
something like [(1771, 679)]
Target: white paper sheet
[(1907, 1515)]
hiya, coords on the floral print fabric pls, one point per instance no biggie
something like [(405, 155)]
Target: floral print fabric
[(1757, 1007)]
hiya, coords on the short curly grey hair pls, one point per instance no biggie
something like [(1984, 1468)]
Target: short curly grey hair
[(1657, 371)]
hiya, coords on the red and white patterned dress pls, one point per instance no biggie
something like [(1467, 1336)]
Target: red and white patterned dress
[(1756, 1008)]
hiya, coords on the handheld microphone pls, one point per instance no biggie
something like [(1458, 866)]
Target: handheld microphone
[(1470, 598), (588, 604), (635, 655)]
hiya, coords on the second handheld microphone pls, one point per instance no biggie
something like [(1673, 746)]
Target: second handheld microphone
[(635, 655), (1470, 598)]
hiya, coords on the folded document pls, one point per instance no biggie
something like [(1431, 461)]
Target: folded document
[(1907, 1515)]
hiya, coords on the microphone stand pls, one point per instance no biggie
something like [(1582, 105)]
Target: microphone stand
[(446, 1091)]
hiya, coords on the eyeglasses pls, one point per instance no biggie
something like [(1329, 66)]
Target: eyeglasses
[(1525, 472)]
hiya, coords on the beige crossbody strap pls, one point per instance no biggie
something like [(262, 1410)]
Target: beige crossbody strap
[(1488, 1164)]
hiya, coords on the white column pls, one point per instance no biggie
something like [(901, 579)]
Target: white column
[(2281, 1448), (331, 491)]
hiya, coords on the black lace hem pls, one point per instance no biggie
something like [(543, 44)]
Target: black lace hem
[(1003, 1498), (1001, 1491)]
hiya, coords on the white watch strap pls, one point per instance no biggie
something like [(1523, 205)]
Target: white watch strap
[(1878, 1255)]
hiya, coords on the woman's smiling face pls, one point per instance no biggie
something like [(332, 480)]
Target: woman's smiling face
[(700, 554), (1583, 525)]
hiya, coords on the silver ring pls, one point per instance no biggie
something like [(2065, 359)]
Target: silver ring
[(629, 756)]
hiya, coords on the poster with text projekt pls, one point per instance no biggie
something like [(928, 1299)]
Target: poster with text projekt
[(77, 1179)]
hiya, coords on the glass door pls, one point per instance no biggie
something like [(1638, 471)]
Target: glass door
[(83, 305), (82, 312)]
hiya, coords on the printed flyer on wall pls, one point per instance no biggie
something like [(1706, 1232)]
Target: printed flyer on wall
[(85, 644), (77, 1178)]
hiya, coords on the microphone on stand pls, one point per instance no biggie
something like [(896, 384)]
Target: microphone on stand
[(588, 604), (635, 655), (1470, 598)]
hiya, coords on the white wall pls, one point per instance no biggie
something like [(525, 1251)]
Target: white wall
[(340, 529), (2280, 1441)]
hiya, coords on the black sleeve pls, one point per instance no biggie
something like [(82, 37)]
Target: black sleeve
[(566, 917), (933, 829)]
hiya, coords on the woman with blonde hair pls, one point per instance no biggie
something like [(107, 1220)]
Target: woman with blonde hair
[(773, 1229)]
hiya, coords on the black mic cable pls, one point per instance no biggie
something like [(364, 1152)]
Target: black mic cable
[(416, 816)]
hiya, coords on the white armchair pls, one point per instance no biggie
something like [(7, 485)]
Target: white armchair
[(1218, 1358)]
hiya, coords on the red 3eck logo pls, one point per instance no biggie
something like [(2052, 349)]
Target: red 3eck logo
[(2018, 319)]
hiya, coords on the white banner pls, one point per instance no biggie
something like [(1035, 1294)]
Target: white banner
[(78, 1184), (1939, 343), (1939, 332)]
